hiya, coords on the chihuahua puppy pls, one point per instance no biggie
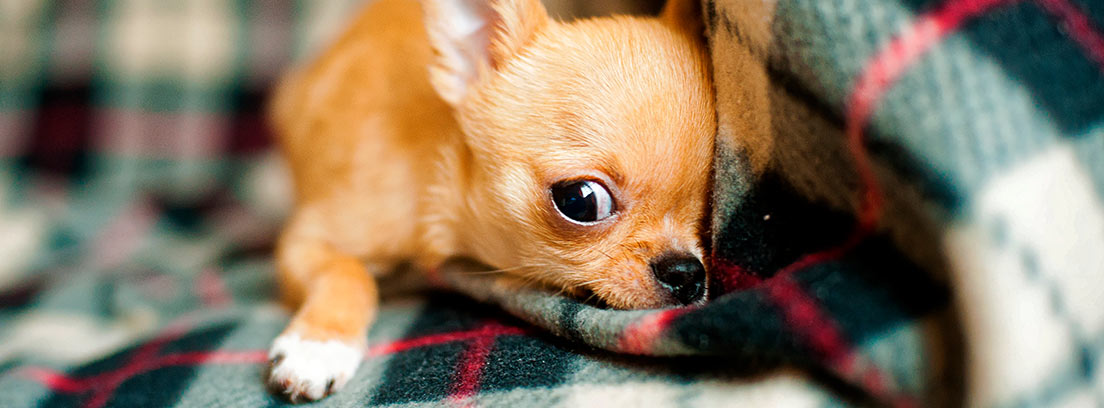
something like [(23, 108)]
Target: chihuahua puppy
[(576, 155)]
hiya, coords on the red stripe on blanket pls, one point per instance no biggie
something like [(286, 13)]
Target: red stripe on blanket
[(641, 336), (54, 380), (805, 317), (1078, 26), (886, 67), (880, 74), (482, 332), (810, 322), (144, 360), (733, 276), (105, 388), (140, 361), (470, 371)]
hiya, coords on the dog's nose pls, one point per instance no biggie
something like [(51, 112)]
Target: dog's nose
[(682, 275)]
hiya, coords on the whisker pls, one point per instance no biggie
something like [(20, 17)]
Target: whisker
[(603, 253), (499, 270), (593, 281), (591, 297)]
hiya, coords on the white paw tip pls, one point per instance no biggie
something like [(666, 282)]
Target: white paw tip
[(308, 369)]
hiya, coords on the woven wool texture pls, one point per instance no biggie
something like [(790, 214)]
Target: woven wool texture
[(908, 212)]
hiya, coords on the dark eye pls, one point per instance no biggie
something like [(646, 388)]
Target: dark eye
[(582, 201)]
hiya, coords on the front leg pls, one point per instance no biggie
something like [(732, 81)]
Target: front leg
[(324, 343)]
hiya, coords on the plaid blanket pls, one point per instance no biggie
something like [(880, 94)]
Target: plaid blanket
[(910, 213)]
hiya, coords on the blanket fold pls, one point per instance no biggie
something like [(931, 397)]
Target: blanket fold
[(908, 210)]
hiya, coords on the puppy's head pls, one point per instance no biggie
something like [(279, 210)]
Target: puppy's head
[(590, 145)]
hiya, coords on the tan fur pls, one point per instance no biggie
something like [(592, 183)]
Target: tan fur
[(401, 151)]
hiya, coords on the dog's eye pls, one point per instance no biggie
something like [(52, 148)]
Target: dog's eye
[(582, 201)]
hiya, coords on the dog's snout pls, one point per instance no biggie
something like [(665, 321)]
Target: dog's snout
[(682, 275)]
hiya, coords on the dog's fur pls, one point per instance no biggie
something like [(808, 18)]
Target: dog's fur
[(435, 128)]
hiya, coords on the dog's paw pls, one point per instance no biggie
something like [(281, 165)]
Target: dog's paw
[(308, 370)]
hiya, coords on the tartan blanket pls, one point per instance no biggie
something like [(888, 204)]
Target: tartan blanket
[(909, 213)]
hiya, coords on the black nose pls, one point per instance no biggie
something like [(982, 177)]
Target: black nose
[(682, 275)]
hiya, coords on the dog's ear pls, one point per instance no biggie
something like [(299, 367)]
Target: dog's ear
[(686, 15), (471, 38)]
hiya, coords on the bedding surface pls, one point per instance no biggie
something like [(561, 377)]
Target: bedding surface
[(908, 211)]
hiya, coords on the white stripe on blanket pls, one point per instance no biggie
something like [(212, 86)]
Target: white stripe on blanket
[(1029, 272)]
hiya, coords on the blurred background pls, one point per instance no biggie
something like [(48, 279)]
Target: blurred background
[(151, 106), (137, 179)]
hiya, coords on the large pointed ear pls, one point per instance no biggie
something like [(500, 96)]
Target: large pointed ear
[(686, 15), (471, 38)]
